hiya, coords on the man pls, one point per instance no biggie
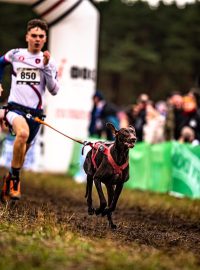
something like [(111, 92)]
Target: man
[(33, 70)]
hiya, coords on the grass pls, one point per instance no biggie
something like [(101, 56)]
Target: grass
[(39, 241)]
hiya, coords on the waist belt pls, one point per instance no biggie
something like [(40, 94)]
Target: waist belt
[(12, 106)]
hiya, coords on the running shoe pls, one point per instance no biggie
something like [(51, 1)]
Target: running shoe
[(11, 188)]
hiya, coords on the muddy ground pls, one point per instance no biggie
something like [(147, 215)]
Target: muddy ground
[(162, 230)]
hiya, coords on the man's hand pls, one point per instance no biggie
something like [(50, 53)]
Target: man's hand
[(1, 89), (46, 58)]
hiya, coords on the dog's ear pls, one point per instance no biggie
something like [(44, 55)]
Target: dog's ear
[(132, 127), (112, 128)]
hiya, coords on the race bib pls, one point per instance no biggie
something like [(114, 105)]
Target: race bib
[(28, 76)]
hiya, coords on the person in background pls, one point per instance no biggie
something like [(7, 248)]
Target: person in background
[(153, 130), (33, 71), (188, 136), (102, 112), (191, 116), (137, 115), (174, 116)]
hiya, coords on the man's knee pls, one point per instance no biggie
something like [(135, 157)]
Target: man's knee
[(22, 135)]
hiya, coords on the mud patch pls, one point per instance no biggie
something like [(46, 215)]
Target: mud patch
[(153, 227)]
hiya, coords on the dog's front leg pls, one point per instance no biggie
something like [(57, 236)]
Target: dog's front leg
[(102, 198), (116, 195), (111, 224), (88, 194), (110, 192)]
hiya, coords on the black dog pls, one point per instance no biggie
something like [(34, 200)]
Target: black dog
[(107, 163)]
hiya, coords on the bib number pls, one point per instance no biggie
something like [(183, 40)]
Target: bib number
[(28, 76)]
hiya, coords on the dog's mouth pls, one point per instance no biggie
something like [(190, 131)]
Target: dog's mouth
[(130, 143)]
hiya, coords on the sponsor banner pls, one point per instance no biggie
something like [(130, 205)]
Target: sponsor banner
[(169, 167), (74, 44), (185, 170), (32, 161)]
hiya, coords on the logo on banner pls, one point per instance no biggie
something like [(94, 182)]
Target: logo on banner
[(82, 73)]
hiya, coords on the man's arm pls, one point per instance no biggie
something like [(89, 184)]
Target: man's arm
[(3, 63), (50, 74), (1, 89)]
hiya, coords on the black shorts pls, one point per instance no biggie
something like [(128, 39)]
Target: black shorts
[(24, 111)]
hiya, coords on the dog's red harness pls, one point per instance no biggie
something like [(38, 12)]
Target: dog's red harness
[(98, 146)]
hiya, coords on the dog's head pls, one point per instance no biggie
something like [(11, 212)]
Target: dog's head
[(127, 136)]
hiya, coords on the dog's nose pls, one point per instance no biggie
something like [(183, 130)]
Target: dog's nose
[(133, 140)]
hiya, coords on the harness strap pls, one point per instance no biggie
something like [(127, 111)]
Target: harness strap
[(98, 146), (118, 169), (12, 106), (7, 124), (95, 148)]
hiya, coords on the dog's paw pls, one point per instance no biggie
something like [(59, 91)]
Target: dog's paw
[(91, 211), (106, 211), (98, 211), (113, 226)]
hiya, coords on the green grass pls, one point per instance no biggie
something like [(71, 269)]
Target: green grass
[(40, 241)]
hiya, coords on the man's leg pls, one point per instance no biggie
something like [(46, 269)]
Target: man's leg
[(21, 130), (11, 187)]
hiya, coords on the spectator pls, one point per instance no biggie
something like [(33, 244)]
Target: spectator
[(174, 116), (154, 125), (137, 115), (191, 116), (102, 113), (188, 136)]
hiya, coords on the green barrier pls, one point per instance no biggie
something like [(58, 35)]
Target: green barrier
[(186, 170), (139, 167), (160, 167), (74, 166), (166, 167), (150, 167)]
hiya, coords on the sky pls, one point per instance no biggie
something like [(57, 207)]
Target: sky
[(155, 2), (151, 2)]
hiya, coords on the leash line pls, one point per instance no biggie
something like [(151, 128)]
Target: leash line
[(38, 120)]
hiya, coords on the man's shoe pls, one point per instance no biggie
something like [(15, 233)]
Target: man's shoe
[(5, 197), (14, 192), (11, 189)]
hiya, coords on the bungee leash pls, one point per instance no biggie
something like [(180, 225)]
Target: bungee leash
[(38, 120)]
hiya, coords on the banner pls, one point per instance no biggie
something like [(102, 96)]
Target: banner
[(73, 42), (168, 167), (185, 170), (32, 161), (150, 167)]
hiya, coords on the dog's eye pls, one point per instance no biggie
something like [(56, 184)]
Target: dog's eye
[(125, 132)]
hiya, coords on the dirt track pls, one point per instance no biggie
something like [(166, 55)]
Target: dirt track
[(159, 229)]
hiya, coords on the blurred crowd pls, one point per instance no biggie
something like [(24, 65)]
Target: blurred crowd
[(176, 118)]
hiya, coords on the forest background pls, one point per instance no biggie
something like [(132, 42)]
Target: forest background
[(141, 48)]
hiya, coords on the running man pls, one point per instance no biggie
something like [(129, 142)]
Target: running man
[(32, 71)]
